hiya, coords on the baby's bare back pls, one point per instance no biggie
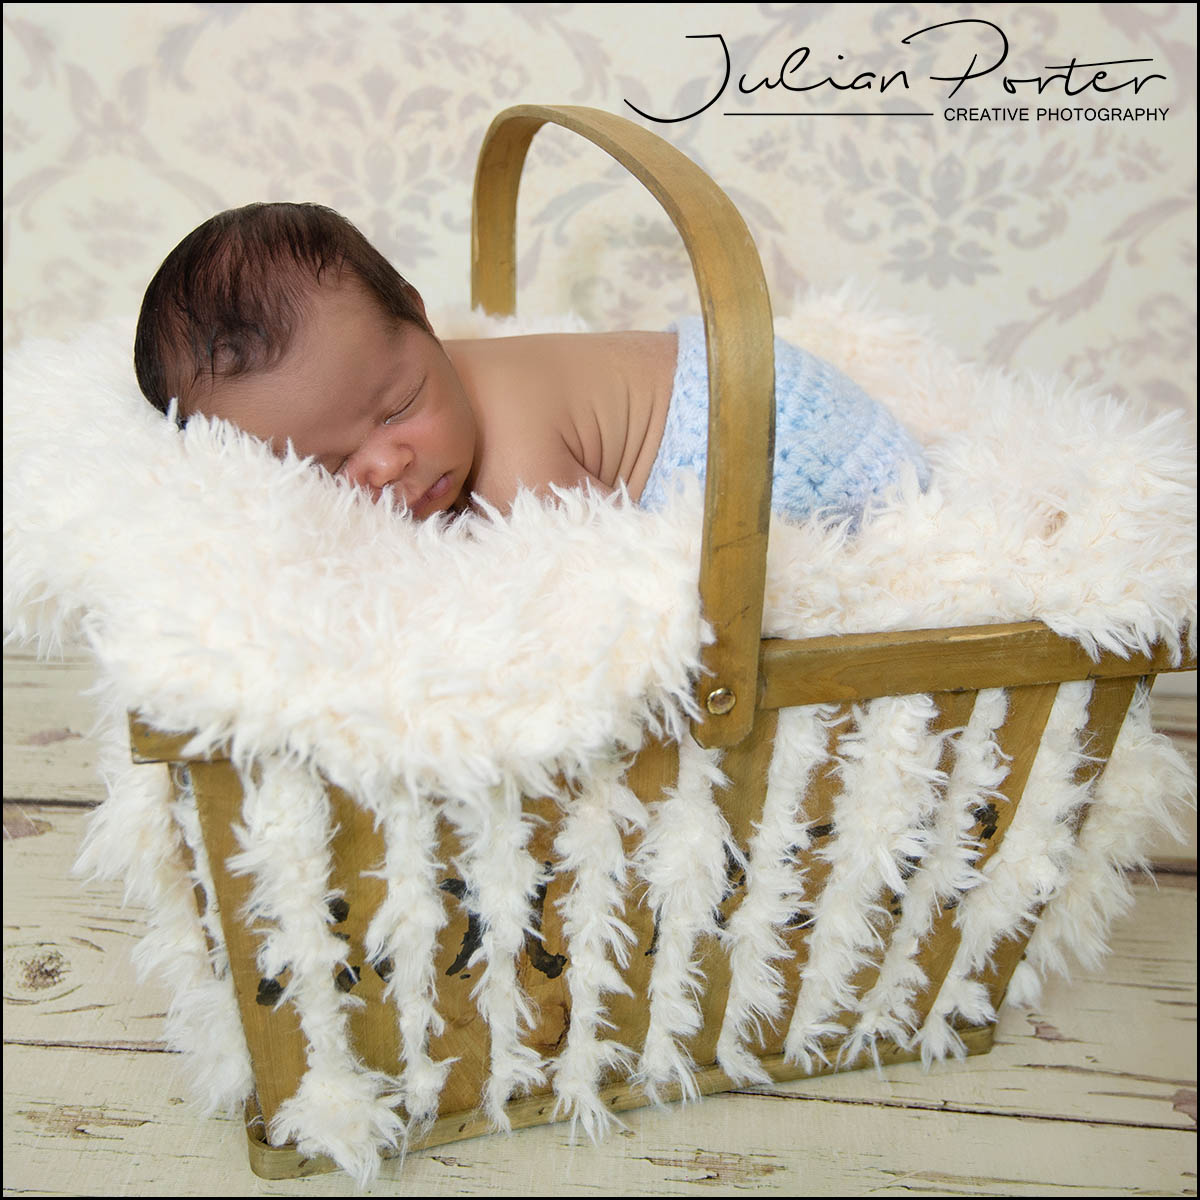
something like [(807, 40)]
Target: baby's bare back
[(566, 409)]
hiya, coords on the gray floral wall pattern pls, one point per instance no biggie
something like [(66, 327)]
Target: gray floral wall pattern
[(1062, 242)]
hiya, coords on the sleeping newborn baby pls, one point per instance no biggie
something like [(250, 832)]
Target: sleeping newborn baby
[(286, 321)]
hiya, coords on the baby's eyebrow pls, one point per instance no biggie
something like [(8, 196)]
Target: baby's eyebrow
[(378, 394)]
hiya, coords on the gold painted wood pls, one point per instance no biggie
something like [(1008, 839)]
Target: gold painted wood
[(746, 766), (276, 1043), (179, 785), (953, 712), (273, 1034), (861, 666), (540, 970), (1107, 707), (1018, 738), (150, 745), (740, 345), (935, 956), (464, 1035), (819, 800), (356, 849), (656, 767)]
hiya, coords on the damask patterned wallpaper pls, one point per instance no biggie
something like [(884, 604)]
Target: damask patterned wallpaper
[(1063, 242)]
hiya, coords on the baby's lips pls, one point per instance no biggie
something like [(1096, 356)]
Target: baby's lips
[(434, 492)]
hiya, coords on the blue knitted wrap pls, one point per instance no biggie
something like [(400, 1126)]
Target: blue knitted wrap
[(835, 447)]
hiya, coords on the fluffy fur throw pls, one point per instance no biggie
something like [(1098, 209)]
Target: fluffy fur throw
[(440, 671)]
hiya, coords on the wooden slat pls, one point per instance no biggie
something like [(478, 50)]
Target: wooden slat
[(863, 666), (1018, 738), (964, 658), (277, 1045), (274, 1037), (819, 803), (746, 765), (542, 965), (655, 768), (356, 850), (1107, 709), (953, 712), (1109, 703), (150, 745), (740, 346), (539, 974), (181, 783)]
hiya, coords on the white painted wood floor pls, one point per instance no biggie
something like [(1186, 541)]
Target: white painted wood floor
[(1093, 1093)]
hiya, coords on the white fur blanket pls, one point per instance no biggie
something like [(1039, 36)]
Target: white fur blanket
[(434, 670)]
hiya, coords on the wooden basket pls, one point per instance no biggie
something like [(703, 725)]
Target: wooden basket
[(747, 681)]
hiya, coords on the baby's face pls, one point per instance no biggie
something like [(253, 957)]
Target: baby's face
[(379, 406)]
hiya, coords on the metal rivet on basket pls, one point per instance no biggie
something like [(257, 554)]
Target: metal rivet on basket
[(720, 701)]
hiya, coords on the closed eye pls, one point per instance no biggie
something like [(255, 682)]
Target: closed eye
[(388, 420), (408, 403)]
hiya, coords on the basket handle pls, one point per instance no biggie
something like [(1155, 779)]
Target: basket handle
[(741, 372)]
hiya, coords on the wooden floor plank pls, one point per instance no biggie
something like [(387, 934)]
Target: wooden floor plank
[(67, 971), (112, 1130), (47, 753)]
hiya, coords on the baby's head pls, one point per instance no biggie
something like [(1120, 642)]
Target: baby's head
[(285, 320)]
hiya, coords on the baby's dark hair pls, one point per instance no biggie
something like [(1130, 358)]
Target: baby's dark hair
[(227, 300)]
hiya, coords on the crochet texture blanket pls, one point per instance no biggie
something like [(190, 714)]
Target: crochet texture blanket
[(440, 672)]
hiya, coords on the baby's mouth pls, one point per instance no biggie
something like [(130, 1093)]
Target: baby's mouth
[(437, 492)]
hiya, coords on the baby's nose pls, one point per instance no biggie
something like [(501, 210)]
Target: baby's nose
[(382, 461)]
